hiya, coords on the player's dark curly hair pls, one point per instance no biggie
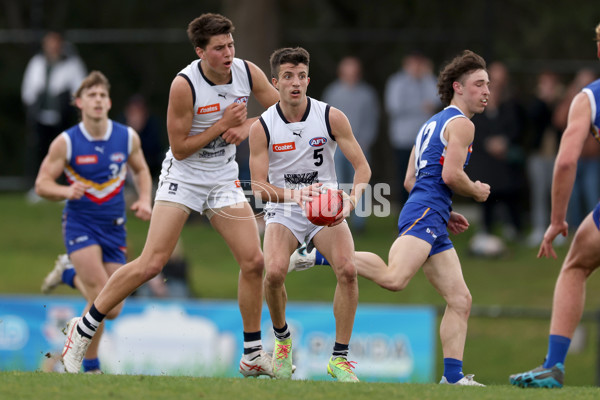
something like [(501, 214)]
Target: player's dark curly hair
[(455, 71), (292, 55), (201, 29)]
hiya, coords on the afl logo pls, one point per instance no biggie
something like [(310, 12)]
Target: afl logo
[(117, 157), (318, 141), (243, 100)]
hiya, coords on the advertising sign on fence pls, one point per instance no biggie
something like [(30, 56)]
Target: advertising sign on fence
[(204, 338)]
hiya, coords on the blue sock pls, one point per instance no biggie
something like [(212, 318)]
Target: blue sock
[(68, 277), (453, 370), (320, 260), (557, 350), (90, 364)]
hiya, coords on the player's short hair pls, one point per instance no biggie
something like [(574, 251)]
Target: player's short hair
[(455, 71), (204, 27), (94, 78), (291, 55)]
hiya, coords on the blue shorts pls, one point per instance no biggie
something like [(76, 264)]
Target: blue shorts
[(111, 238), (426, 224), (596, 216)]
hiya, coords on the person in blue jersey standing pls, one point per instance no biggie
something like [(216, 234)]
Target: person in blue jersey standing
[(206, 119), (95, 155), (583, 257), (435, 172)]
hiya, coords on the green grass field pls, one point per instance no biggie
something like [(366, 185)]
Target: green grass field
[(496, 346), (121, 387)]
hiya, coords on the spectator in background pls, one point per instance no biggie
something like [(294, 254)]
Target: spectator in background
[(587, 183), (411, 97), (358, 100), (138, 116), (542, 148), (499, 157), (50, 79)]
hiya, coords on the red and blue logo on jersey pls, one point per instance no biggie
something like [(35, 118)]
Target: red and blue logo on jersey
[(243, 100), (117, 157), (318, 141)]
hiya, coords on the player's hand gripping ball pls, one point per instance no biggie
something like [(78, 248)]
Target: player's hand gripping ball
[(324, 208)]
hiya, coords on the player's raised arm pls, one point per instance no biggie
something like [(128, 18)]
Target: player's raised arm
[(264, 93), (180, 113)]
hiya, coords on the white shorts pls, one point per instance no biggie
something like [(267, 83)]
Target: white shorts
[(205, 191), (292, 217)]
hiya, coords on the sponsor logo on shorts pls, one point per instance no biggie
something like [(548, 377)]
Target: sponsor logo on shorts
[(117, 157), (79, 239), (209, 109), (86, 159), (433, 235), (173, 188), (281, 147), (318, 141)]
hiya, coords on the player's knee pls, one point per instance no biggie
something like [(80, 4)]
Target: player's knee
[(144, 268), (253, 266), (275, 277), (396, 284), (346, 272), (461, 303)]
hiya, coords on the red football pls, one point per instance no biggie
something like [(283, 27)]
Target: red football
[(324, 208)]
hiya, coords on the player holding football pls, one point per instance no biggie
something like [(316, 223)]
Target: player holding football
[(583, 257), (435, 172), (291, 157), (94, 156), (206, 119)]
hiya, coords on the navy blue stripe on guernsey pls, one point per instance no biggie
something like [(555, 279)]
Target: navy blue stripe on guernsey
[(327, 109), (191, 86), (249, 75), (262, 121)]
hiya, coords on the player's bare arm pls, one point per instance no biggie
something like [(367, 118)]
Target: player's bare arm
[(460, 133), (52, 167), (565, 170), (411, 172), (180, 113), (264, 93), (141, 179), (262, 89), (342, 132), (259, 170)]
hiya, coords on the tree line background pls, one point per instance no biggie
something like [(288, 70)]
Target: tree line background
[(141, 45)]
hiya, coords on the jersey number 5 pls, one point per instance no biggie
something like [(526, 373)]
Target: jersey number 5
[(318, 157)]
